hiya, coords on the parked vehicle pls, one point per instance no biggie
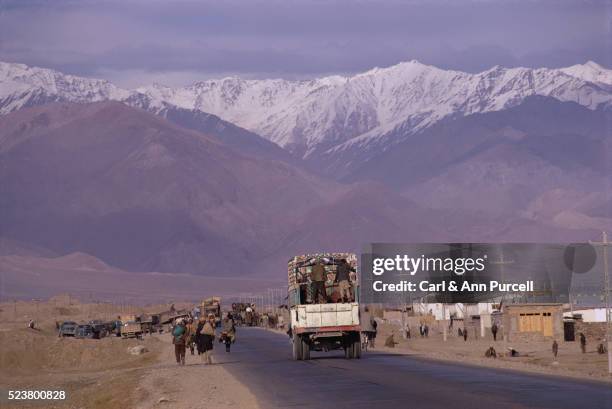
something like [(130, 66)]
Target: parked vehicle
[(84, 331), (131, 329), (99, 328), (116, 327), (323, 326), (68, 329)]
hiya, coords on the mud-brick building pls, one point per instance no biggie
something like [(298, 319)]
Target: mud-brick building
[(531, 322)]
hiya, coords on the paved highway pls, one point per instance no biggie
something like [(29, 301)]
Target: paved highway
[(262, 361)]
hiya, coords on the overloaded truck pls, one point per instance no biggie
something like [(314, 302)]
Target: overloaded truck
[(212, 305), (328, 321)]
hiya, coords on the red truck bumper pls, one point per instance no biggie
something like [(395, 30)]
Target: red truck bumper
[(319, 330)]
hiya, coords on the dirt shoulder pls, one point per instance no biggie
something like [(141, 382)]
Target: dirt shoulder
[(534, 357), (97, 374), (168, 385), (92, 373)]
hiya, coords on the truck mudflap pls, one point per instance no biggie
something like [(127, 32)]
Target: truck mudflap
[(323, 330)]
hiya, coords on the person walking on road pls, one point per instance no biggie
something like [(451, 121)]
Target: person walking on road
[(229, 332), (206, 337), (179, 339), (555, 349), (494, 331), (583, 343), (318, 276), (191, 335)]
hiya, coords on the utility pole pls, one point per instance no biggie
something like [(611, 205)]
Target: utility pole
[(604, 246), (444, 329), (501, 262)]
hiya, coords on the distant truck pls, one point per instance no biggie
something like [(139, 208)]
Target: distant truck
[(131, 329), (212, 305), (84, 331), (68, 329), (317, 326)]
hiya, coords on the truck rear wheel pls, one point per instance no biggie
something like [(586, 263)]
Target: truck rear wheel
[(297, 348), (348, 347), (352, 347), (357, 348), (305, 349)]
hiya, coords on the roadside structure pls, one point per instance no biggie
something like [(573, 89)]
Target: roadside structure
[(533, 321)]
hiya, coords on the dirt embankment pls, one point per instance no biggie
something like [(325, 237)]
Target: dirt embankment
[(94, 373)]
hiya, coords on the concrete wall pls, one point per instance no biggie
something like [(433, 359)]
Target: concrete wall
[(590, 314)]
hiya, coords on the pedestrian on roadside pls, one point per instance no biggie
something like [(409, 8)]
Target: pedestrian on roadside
[(228, 335), (426, 330), (465, 334), (369, 326), (583, 342), (494, 331), (555, 349), (390, 341), (179, 339)]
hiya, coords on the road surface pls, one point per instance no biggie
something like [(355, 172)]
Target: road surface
[(261, 360)]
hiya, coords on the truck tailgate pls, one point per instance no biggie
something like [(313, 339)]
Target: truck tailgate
[(326, 315)]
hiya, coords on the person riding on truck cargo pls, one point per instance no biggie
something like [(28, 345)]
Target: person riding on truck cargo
[(318, 276), (343, 271)]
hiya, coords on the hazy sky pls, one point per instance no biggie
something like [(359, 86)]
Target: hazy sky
[(177, 42)]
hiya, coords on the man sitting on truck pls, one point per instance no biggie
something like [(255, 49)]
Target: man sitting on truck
[(318, 276)]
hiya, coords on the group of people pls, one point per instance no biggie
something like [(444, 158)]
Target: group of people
[(200, 335), (318, 277)]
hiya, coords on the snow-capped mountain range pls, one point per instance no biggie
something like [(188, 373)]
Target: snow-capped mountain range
[(330, 114)]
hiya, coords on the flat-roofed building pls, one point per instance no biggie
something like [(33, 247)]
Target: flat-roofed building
[(533, 321)]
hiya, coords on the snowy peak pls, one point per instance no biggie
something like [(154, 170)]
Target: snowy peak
[(590, 71), (19, 78), (333, 112)]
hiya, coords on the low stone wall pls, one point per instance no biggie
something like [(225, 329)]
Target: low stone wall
[(595, 331)]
